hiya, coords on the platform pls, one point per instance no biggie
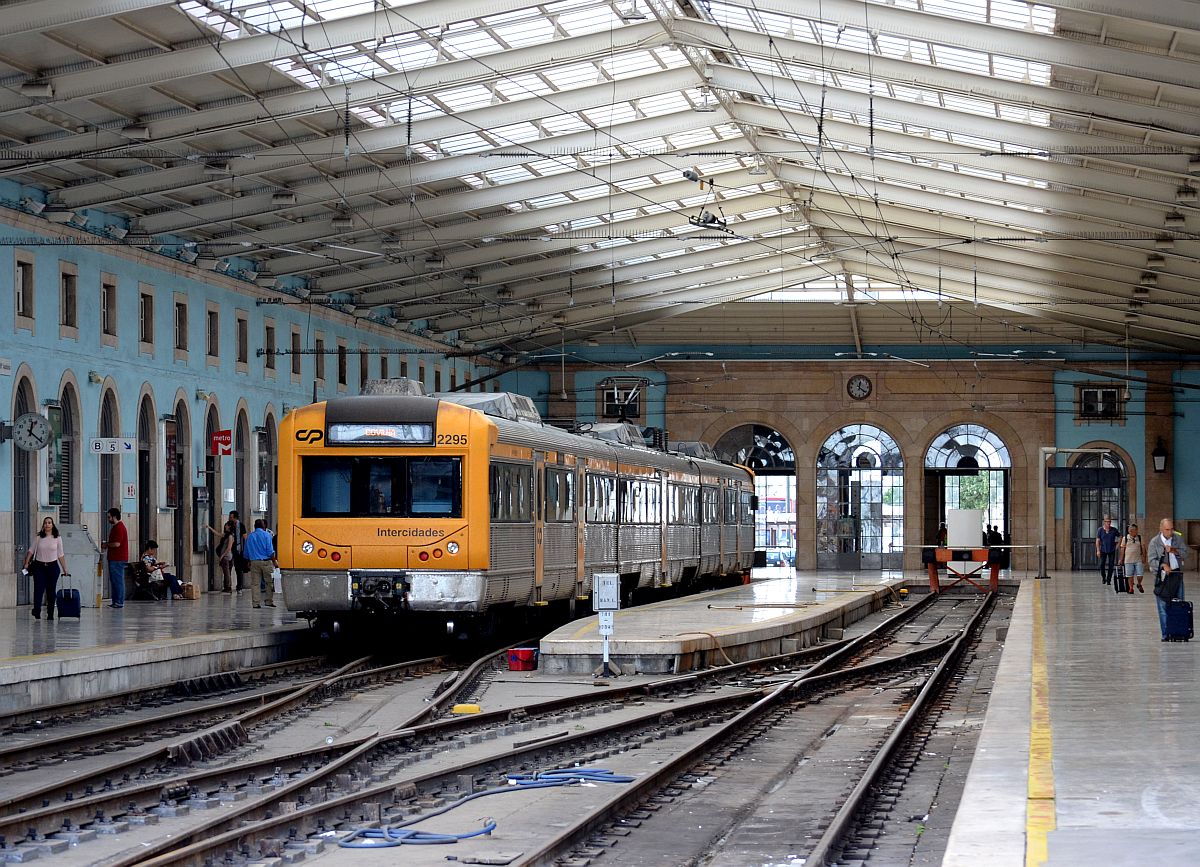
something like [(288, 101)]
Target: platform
[(779, 611), (110, 650), (1088, 753)]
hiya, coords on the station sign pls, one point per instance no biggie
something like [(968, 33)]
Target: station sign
[(112, 445), (607, 620), (606, 591)]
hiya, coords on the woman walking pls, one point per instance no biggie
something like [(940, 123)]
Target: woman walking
[(46, 556), (225, 553), (1133, 557)]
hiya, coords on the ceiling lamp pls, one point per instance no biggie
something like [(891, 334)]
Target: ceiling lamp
[(707, 101), (38, 89), (1154, 260), (1141, 292), (1186, 194), (137, 131), (58, 213), (504, 293), (1194, 164), (216, 169), (342, 223), (283, 197), (1175, 220), (206, 262), (1148, 279), (759, 167), (1164, 242), (559, 318), (627, 10), (434, 262), (471, 279), (32, 205), (265, 280)]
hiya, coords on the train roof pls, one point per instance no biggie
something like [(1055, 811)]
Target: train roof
[(522, 429)]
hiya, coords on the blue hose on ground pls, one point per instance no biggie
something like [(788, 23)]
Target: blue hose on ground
[(403, 835)]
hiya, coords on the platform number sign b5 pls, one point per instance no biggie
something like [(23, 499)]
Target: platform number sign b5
[(606, 591)]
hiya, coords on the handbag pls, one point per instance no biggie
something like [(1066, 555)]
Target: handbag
[(1167, 584)]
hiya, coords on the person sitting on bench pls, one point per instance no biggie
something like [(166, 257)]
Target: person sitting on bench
[(157, 570)]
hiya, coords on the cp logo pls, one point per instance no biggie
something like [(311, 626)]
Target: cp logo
[(310, 435)]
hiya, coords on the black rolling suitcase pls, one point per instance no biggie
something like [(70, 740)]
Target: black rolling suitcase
[(1179, 620), (1120, 583), (68, 603)]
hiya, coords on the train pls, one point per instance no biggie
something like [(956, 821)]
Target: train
[(466, 508)]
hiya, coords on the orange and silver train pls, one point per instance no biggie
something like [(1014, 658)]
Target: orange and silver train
[(391, 503)]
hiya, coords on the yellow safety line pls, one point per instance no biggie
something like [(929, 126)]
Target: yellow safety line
[(1040, 813)]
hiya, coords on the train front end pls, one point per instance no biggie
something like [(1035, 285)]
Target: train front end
[(383, 507)]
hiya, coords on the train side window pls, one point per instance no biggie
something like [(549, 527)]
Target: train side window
[(560, 496), (709, 505), (601, 505), (512, 500)]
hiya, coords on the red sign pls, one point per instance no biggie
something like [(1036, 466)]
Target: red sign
[(222, 443)]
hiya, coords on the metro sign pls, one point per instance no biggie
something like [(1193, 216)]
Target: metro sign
[(222, 443)]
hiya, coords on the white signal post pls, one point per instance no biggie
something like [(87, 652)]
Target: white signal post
[(606, 599)]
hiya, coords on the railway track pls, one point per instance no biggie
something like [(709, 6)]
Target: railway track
[(290, 805)]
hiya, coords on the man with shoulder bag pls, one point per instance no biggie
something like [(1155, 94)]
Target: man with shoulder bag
[(1166, 555)]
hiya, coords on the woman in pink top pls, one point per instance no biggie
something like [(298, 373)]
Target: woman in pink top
[(45, 554)]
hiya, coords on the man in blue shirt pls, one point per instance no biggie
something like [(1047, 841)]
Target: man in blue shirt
[(1106, 549), (259, 549)]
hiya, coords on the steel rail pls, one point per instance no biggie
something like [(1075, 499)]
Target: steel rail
[(843, 820), (637, 792), (260, 820), (127, 699), (21, 810)]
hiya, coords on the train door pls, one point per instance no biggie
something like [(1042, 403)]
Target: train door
[(539, 526), (664, 566)]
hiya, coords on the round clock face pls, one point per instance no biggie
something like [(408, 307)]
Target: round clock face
[(858, 387), (31, 432)]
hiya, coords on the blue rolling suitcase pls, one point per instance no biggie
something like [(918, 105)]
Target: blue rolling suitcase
[(1179, 620), (67, 601)]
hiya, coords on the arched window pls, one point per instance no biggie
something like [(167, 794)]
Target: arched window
[(967, 446), (110, 465), (860, 500), (146, 499), (68, 510), (860, 446), (758, 447), (768, 453), (24, 492), (967, 466)]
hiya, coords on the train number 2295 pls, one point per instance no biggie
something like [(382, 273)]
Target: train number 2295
[(451, 439)]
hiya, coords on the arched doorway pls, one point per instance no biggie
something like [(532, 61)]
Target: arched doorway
[(69, 464), (24, 495), (266, 471), (860, 500), (1090, 505), (110, 465), (147, 506), (768, 453), (210, 507), (244, 498), (176, 438), (967, 466)]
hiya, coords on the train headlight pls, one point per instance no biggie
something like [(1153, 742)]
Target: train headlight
[(307, 547), (452, 547)]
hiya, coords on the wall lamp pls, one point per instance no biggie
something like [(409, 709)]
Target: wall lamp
[(95, 378), (203, 396), (1159, 456)]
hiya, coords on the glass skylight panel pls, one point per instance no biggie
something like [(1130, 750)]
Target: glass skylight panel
[(463, 144), (536, 30), (591, 192), (522, 85), (550, 201), (693, 138), (631, 63), (571, 75), (563, 124), (545, 168), (468, 41), (507, 175), (968, 104), (516, 132), (609, 115), (663, 103), (464, 98), (731, 16), (962, 59), (579, 18)]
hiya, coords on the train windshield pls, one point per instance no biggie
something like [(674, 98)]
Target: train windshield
[(382, 487)]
